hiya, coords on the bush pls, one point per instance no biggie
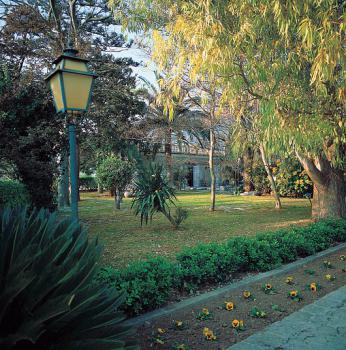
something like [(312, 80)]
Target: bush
[(206, 263), (48, 300), (150, 283), (87, 183), (13, 193), (153, 194)]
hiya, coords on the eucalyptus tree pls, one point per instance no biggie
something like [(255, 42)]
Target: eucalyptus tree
[(288, 56)]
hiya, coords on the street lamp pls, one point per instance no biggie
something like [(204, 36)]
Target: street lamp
[(71, 84)]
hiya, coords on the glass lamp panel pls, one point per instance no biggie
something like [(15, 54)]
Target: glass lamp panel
[(57, 92), (75, 65), (77, 89)]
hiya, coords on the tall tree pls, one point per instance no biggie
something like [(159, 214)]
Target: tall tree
[(289, 56)]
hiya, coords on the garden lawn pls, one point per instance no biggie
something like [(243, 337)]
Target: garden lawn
[(125, 240)]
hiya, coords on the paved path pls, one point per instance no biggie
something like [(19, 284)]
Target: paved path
[(318, 326)]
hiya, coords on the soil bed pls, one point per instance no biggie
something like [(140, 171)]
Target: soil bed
[(162, 333)]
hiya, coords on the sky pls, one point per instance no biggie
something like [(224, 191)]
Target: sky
[(147, 67)]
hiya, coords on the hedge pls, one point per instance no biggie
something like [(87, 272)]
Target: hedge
[(87, 183), (13, 193), (150, 283)]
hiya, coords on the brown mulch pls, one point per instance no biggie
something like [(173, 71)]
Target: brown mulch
[(276, 306)]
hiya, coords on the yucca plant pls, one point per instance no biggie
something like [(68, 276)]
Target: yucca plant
[(48, 299), (153, 194)]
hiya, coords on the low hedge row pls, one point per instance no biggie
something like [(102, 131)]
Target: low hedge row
[(13, 193), (87, 183), (150, 283)]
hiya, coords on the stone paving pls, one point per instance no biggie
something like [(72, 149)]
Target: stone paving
[(318, 326)]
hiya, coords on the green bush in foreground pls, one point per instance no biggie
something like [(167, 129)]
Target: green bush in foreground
[(13, 193), (150, 283), (48, 300)]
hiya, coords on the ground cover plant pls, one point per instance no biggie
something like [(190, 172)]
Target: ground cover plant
[(246, 316), (151, 283), (48, 298), (125, 240)]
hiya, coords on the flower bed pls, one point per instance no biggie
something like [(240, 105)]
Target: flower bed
[(235, 315), (152, 283)]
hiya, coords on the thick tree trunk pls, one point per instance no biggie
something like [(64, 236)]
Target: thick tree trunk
[(63, 184), (329, 187), (247, 160), (168, 154), (212, 170), (270, 178)]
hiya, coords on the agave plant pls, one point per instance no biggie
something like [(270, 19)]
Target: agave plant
[(48, 299), (153, 194)]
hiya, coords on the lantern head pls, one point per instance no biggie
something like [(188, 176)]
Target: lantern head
[(71, 82)]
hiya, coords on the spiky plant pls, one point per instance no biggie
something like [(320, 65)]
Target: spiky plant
[(153, 194), (47, 296)]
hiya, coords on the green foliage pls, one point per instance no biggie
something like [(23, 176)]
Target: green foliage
[(291, 178), (114, 173), (153, 194), (179, 216), (48, 300), (31, 136), (87, 183), (259, 177), (13, 193), (207, 263), (149, 283)]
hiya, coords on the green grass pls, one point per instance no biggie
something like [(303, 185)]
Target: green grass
[(125, 240)]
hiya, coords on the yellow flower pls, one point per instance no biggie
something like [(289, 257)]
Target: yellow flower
[(313, 287), (330, 277), (246, 294), (229, 305), (268, 286), (161, 330), (235, 323), (293, 293), (208, 334), (289, 279), (205, 311), (241, 323), (178, 323)]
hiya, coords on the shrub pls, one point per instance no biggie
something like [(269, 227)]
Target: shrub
[(87, 183), (149, 283), (48, 300), (115, 174), (13, 193), (206, 263), (153, 194)]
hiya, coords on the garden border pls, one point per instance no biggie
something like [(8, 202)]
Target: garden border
[(164, 311)]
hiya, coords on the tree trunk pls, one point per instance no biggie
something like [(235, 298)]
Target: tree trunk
[(270, 178), (247, 160), (168, 154), (329, 187), (212, 170), (63, 184), (99, 188), (118, 198)]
